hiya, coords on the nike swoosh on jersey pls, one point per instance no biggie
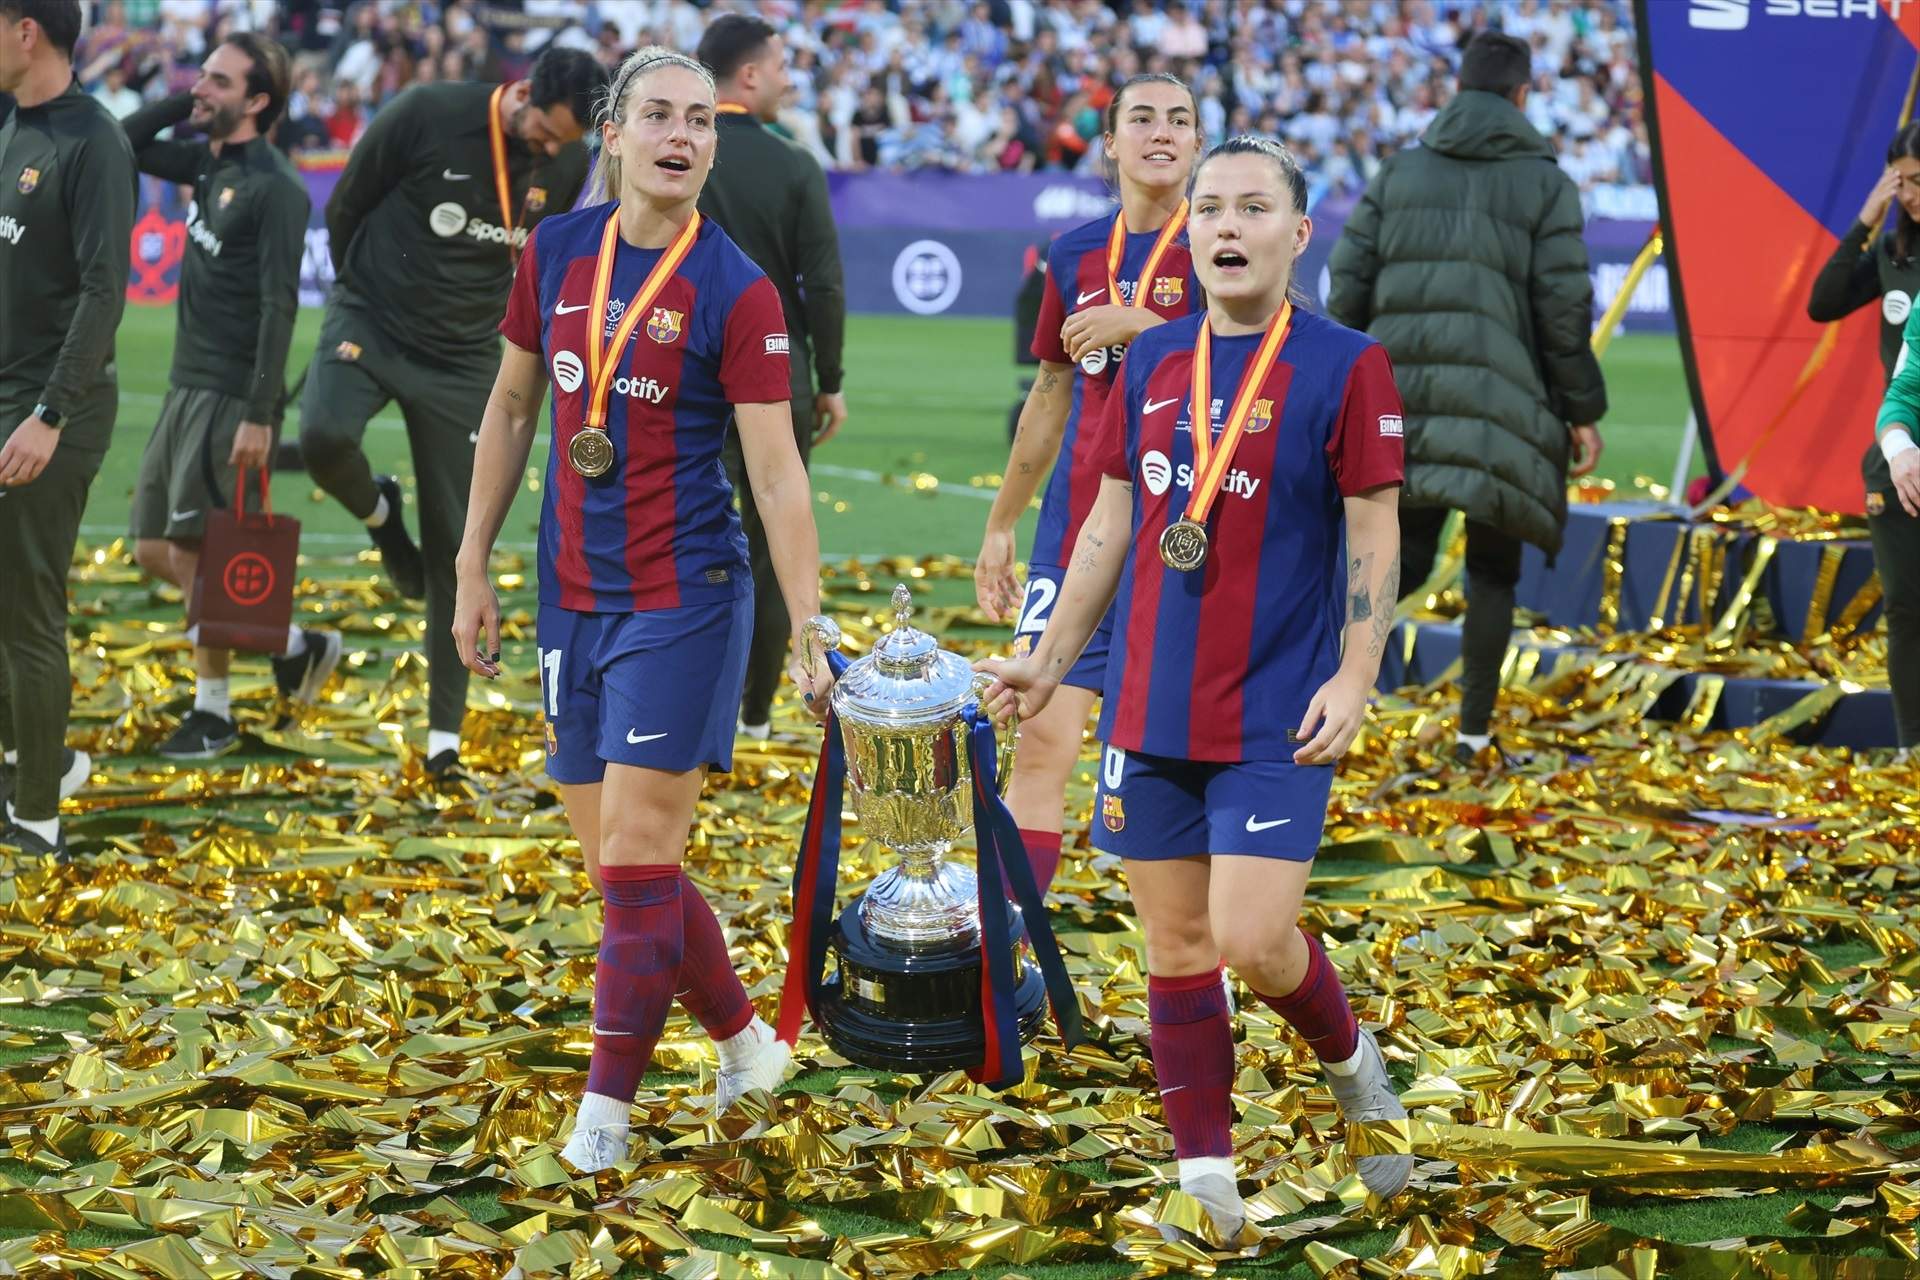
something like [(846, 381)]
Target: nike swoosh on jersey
[(562, 309), (1155, 406), (450, 176), (1097, 293), (637, 738), (1254, 825)]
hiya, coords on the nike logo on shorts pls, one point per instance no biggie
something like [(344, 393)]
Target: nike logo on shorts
[(1088, 297), (562, 309), (1255, 826), (450, 176), (637, 738), (473, 437), (183, 515), (1155, 406)]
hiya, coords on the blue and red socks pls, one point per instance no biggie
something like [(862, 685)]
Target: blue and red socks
[(1319, 1009), (1043, 855), (709, 988), (640, 954), (1193, 1061)]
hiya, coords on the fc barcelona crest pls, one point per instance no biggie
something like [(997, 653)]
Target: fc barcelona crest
[(1876, 504), (226, 196), (1260, 417), (664, 325), (29, 179), (1168, 290), (348, 351), (536, 199), (1113, 812)]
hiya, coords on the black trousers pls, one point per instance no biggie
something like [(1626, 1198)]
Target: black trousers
[(1896, 554), (39, 525), (772, 629), (1493, 568)]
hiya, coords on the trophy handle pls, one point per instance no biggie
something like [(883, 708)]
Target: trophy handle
[(825, 632), (981, 683)]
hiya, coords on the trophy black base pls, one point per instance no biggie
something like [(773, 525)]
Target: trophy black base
[(917, 1012)]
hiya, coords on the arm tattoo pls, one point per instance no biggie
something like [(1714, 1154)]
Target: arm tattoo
[(1048, 381), (1026, 468), (1383, 618), (1359, 602), (512, 394), (1090, 553)]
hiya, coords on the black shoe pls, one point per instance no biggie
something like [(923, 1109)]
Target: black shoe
[(445, 766), (200, 735), (397, 549), (302, 676), (17, 838)]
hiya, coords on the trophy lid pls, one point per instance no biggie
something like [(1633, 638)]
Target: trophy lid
[(907, 676)]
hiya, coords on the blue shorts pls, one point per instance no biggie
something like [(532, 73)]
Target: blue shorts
[(1043, 589), (658, 689), (1152, 807)]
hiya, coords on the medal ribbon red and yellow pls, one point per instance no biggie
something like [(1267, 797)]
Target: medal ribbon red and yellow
[(502, 185), (590, 451), (1183, 545), (1117, 247)]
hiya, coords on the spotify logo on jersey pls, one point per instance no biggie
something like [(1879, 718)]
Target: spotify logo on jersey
[(1896, 306), (1157, 470), (568, 371), (447, 219)]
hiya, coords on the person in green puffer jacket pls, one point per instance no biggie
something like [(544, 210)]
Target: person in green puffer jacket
[(1466, 259)]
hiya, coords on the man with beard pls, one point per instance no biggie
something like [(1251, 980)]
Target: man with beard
[(66, 227), (429, 217), (239, 289)]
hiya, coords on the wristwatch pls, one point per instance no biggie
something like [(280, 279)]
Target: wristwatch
[(49, 415)]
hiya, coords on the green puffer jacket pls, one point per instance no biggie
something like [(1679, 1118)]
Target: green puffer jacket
[(1466, 259)]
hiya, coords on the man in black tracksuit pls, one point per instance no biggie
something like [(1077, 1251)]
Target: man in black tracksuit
[(67, 187), (239, 291), (423, 255), (770, 195)]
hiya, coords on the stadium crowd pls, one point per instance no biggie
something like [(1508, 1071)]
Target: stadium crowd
[(974, 85)]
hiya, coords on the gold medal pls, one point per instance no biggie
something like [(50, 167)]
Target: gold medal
[(591, 452), (1183, 546)]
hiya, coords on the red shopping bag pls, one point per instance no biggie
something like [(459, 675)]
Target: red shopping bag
[(243, 592)]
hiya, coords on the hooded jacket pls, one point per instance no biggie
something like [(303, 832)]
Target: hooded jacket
[(1466, 259)]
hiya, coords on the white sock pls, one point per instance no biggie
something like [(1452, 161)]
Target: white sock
[(439, 740), (379, 516), (738, 1049), (1200, 1178), (1350, 1066), (1478, 741), (47, 829), (210, 694), (296, 643), (193, 635), (603, 1110)]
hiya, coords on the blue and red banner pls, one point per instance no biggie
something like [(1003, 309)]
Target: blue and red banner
[(1770, 122)]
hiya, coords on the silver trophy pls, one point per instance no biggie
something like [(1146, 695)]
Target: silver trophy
[(906, 994)]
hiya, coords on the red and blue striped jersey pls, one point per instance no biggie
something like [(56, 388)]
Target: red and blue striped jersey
[(1076, 280), (1219, 663), (659, 529)]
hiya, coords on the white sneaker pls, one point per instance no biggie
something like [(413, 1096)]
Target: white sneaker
[(765, 1069), (594, 1147), (756, 732), (1368, 1094)]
